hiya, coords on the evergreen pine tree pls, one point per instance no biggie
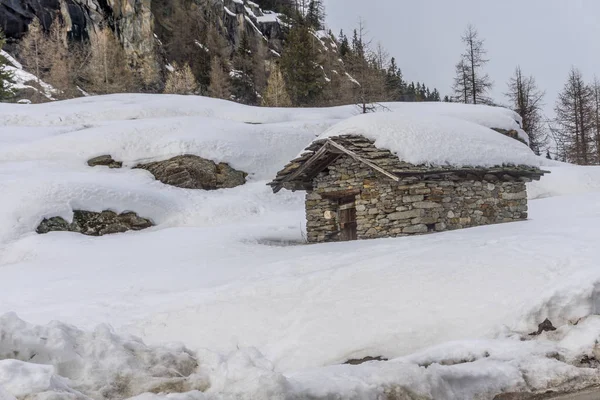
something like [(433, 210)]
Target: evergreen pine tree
[(243, 88), (315, 16), (344, 45), (6, 77), (394, 81), (304, 77)]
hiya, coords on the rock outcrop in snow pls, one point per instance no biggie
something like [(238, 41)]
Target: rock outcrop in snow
[(95, 223), (193, 172), (105, 161)]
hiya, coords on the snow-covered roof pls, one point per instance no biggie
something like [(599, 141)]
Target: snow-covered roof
[(432, 139), (400, 144)]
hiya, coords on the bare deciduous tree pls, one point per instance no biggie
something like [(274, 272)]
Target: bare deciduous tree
[(220, 86), (34, 54), (575, 119), (106, 67), (369, 80), (181, 81), (526, 100), (276, 94), (471, 82), (596, 117)]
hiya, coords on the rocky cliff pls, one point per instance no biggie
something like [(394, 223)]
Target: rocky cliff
[(133, 22)]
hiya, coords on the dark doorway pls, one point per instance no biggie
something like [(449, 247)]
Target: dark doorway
[(347, 218)]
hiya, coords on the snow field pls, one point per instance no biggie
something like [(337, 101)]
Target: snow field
[(226, 272)]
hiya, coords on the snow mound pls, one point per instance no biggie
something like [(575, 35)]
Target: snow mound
[(62, 360), (438, 140), (490, 117), (59, 357)]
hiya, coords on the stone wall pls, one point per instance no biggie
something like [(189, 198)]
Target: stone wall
[(387, 209)]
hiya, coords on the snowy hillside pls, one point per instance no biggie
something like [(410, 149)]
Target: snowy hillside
[(23, 80), (256, 312)]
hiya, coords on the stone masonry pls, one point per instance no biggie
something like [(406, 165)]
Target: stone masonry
[(385, 208)]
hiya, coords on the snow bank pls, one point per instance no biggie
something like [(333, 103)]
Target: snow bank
[(564, 179), (436, 139), (100, 364)]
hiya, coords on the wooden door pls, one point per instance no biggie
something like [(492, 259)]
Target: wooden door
[(347, 218)]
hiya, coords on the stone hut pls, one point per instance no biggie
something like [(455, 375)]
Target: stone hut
[(356, 190)]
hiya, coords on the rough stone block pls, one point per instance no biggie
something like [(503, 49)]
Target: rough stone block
[(406, 214), (426, 204), (421, 228)]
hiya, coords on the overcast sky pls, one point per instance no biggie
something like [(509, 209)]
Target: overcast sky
[(545, 37)]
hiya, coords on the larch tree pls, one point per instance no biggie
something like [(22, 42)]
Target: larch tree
[(471, 83), (276, 94), (462, 84), (6, 77), (596, 117), (526, 99), (220, 87), (363, 66), (107, 69), (575, 120), (34, 54), (60, 65), (181, 81)]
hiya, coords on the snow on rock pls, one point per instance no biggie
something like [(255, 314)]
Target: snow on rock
[(436, 139), (23, 79)]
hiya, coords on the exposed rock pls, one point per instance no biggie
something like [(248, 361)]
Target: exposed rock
[(135, 25), (545, 326), (95, 223), (357, 361), (105, 160), (193, 172), (132, 20), (510, 133)]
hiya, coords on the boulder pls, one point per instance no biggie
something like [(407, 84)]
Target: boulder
[(105, 160), (193, 172), (357, 361), (510, 133), (545, 326), (95, 223)]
